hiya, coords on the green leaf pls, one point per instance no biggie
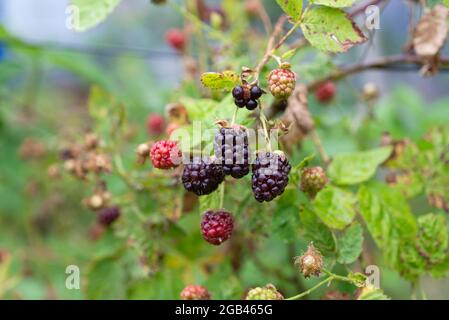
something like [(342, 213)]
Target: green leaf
[(331, 30), (358, 279), (106, 280), (433, 237), (293, 8), (210, 201), (357, 167), (372, 293), (350, 244), (335, 207), (388, 219), (317, 232), (89, 13), (334, 3), (225, 80)]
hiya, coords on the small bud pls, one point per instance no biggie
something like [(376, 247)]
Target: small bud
[(370, 91), (269, 292), (311, 262)]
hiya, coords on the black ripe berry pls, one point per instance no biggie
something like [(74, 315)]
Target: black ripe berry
[(247, 96), (256, 92), (240, 103), (202, 176), (108, 215), (251, 105), (217, 226), (270, 175), (238, 93), (232, 151)]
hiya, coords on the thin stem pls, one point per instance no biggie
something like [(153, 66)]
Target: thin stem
[(234, 116), (309, 291), (263, 120)]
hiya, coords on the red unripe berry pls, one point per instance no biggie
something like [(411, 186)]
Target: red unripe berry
[(155, 124), (325, 92), (195, 292), (217, 226), (176, 39), (165, 154)]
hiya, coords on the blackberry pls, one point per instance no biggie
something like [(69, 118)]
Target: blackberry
[(251, 105), (270, 175), (107, 216), (238, 93), (217, 226), (256, 92), (202, 176), (246, 96), (232, 151)]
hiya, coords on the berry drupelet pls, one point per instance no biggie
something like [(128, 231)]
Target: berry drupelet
[(217, 226), (270, 175), (202, 176), (232, 150)]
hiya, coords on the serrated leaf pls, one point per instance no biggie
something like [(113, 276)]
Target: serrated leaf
[(293, 8), (335, 207), (225, 80), (210, 201), (388, 219), (433, 237), (89, 13), (285, 218), (350, 244), (317, 232), (334, 3), (331, 30), (357, 167)]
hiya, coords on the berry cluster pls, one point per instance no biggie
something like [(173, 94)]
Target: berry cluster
[(217, 226), (325, 92), (269, 292), (247, 96), (270, 175), (313, 180), (282, 82), (202, 176), (232, 151), (165, 154), (108, 216), (195, 292)]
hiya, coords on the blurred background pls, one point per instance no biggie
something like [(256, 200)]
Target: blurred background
[(46, 71)]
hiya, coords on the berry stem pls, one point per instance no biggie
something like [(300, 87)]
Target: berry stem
[(309, 291), (222, 194), (234, 116), (263, 120), (331, 276)]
